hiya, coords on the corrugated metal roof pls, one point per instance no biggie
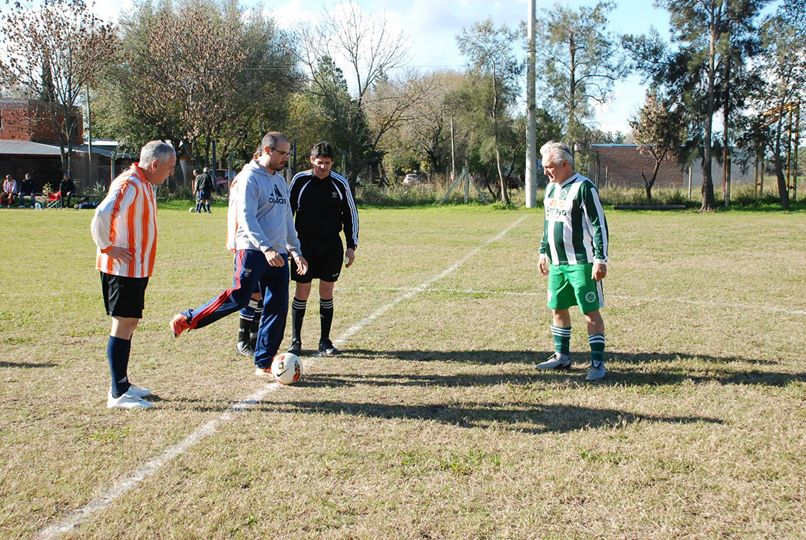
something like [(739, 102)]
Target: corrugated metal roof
[(27, 148), (614, 146), (105, 151)]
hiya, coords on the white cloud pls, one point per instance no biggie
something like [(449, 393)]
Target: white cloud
[(111, 11)]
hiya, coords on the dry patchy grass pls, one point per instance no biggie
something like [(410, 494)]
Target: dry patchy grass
[(434, 424)]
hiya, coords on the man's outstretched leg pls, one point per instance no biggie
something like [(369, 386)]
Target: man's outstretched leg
[(249, 265)]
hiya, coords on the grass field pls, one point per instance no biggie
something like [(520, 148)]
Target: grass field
[(434, 423)]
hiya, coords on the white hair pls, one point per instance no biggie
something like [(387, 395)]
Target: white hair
[(555, 153), (155, 151)]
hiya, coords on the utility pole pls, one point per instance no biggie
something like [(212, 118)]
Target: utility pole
[(90, 183), (531, 143)]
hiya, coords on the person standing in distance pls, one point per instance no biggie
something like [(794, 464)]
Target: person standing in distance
[(124, 228), (66, 189), (324, 206), (573, 254), (203, 186), (264, 236)]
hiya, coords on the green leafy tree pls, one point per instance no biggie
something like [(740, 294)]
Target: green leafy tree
[(197, 72), (698, 26), (582, 61), (495, 71), (739, 44), (784, 71)]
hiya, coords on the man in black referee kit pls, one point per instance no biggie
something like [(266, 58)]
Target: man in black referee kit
[(323, 205)]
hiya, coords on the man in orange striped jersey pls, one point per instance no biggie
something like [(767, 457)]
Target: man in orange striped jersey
[(125, 230)]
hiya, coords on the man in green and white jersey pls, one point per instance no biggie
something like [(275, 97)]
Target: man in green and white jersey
[(573, 254)]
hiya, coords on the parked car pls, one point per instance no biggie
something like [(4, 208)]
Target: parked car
[(411, 179)]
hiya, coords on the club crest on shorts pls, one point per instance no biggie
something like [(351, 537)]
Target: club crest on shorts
[(590, 296)]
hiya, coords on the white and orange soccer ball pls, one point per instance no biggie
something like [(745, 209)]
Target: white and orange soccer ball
[(286, 368)]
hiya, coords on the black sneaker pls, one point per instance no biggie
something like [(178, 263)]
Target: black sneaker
[(245, 349), (326, 348), (295, 348)]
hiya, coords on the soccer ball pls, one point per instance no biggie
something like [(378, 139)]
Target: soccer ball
[(286, 368)]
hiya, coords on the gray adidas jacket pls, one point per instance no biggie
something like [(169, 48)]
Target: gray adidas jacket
[(264, 214)]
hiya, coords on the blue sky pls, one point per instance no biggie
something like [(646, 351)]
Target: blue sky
[(431, 27)]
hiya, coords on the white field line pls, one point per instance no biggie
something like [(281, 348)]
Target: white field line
[(77, 517), (712, 304)]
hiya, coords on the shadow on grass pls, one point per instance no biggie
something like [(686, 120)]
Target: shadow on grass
[(27, 365), (716, 369), (531, 356), (535, 420)]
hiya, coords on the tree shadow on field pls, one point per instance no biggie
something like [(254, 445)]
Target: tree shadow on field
[(27, 365), (643, 369), (527, 419)]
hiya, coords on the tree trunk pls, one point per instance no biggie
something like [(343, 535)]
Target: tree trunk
[(783, 192), (726, 128), (651, 183), (501, 179), (708, 201), (499, 168)]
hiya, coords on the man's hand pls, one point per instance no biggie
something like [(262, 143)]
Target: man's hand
[(302, 265), (599, 271), (274, 259), (122, 253), (543, 264), (350, 254)]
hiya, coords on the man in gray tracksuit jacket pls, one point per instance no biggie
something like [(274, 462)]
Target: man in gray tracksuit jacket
[(264, 235)]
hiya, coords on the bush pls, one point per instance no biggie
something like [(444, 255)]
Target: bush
[(420, 194)]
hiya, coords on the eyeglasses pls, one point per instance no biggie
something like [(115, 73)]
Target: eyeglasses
[(281, 152)]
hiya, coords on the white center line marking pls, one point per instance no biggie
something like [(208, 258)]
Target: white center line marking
[(77, 517)]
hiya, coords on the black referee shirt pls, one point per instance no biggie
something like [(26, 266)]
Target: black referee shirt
[(324, 206)]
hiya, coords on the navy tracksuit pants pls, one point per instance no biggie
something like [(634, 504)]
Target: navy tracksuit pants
[(252, 272)]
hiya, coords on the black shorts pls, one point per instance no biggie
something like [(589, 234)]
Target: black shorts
[(124, 296), (325, 257)]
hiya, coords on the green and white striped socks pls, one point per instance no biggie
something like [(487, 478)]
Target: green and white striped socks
[(562, 340), (597, 343)]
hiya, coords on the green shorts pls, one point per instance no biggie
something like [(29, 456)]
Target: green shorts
[(572, 285)]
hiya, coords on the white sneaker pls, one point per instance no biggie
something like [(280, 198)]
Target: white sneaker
[(138, 391), (596, 372), (126, 401), (555, 361)]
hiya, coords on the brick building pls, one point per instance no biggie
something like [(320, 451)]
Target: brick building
[(30, 120), (29, 143)]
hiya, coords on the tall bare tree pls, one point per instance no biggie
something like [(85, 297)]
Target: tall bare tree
[(369, 51), (582, 61), (54, 50)]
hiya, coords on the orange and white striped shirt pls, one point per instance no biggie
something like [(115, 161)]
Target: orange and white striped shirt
[(127, 217)]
